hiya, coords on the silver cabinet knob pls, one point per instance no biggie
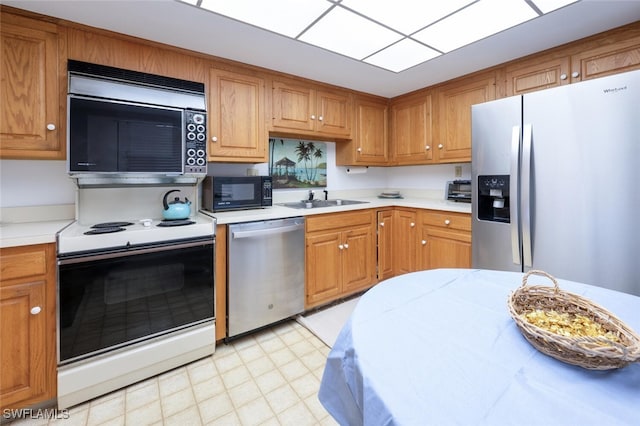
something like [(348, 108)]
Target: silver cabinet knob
[(214, 138), (51, 126), (340, 246), (447, 222), (359, 149), (320, 118), (440, 146), (313, 117), (35, 310), (381, 223), (427, 148), (575, 74), (412, 224), (424, 242), (563, 76), (346, 246)]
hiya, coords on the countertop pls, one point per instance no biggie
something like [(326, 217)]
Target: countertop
[(13, 234), (28, 233), (280, 212)]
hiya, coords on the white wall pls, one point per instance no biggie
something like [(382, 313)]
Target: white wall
[(35, 183)]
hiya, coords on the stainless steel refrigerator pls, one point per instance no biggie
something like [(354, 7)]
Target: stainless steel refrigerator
[(556, 182)]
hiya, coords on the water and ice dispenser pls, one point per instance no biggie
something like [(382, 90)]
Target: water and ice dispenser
[(493, 198)]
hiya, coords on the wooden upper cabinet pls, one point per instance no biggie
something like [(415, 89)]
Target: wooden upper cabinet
[(370, 137), (605, 60), (454, 116), (308, 110), (236, 117), (32, 103), (411, 130), (537, 74)]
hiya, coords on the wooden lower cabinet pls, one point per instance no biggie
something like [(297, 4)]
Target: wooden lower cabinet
[(405, 236), (28, 333), (340, 255), (417, 239), (386, 227), (445, 240)]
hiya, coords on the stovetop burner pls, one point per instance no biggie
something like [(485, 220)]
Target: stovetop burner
[(176, 222), (104, 230), (111, 225)]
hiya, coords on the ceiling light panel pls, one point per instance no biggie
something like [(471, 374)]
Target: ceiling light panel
[(286, 17), (406, 16), (547, 6), (402, 55), (349, 34), (480, 20)]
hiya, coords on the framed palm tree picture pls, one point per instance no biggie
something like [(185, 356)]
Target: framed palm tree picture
[(295, 163)]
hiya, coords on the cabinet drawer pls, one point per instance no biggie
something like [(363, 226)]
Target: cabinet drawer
[(449, 220), (339, 220), (20, 262)]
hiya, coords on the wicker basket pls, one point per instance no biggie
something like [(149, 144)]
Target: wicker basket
[(596, 353)]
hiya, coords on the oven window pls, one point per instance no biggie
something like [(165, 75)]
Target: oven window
[(108, 303), (117, 137)]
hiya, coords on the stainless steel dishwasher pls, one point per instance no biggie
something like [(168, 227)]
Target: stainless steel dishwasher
[(266, 273)]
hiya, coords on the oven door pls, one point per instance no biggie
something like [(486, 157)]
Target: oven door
[(113, 299)]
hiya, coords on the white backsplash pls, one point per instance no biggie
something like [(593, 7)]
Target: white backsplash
[(41, 183)]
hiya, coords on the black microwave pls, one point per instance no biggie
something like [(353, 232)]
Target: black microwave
[(124, 123), (221, 193)]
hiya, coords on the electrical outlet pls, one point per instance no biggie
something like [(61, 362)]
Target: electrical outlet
[(458, 171)]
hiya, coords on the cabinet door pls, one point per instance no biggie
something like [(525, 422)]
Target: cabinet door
[(538, 74), (358, 259), (293, 107), (443, 248), (411, 131), (369, 146), (30, 117), (406, 233), (236, 117), (23, 352), (323, 268), (454, 117), (385, 244), (606, 60), (333, 114)]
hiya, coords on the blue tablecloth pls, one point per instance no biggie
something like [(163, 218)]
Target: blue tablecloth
[(439, 347)]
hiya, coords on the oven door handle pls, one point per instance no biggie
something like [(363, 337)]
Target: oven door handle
[(126, 252)]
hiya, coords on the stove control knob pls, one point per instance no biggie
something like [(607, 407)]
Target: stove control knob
[(35, 310)]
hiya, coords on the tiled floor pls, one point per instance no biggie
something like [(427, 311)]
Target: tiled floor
[(268, 378)]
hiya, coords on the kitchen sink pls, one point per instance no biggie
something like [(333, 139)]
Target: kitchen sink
[(304, 204)]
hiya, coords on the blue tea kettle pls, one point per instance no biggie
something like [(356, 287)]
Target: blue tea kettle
[(176, 209)]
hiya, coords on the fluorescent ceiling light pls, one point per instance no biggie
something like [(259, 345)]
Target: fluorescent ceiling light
[(390, 34), (286, 17), (547, 6), (480, 20), (406, 16), (402, 55), (349, 34)]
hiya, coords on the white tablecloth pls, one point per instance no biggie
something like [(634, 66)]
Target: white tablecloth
[(439, 347)]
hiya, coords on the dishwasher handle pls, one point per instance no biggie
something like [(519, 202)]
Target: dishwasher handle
[(268, 231)]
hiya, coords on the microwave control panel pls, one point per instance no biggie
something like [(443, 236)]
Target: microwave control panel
[(195, 159)]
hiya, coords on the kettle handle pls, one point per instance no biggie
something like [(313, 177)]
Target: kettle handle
[(164, 199)]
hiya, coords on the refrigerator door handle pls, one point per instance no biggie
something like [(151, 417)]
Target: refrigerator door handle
[(513, 195), (525, 200)]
